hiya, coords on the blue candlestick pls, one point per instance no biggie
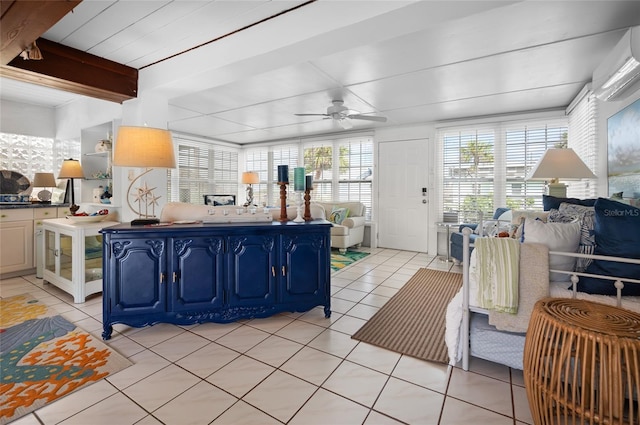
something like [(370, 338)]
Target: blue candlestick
[(309, 182), (283, 174)]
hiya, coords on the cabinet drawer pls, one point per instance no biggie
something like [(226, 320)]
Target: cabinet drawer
[(16, 214), (63, 212), (41, 213)]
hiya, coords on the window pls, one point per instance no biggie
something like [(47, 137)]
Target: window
[(486, 167), (202, 169), (342, 169), (583, 118)]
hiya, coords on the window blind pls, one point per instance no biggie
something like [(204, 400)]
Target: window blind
[(202, 169), (485, 167), (583, 119)]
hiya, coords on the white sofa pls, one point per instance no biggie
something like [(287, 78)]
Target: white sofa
[(351, 231)]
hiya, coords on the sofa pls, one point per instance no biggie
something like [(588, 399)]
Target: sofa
[(347, 226), (179, 211)]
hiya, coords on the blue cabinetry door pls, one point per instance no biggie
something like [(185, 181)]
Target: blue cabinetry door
[(196, 273), (306, 273), (253, 270), (138, 276)]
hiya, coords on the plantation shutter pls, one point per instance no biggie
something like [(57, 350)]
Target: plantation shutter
[(583, 119), (202, 169)]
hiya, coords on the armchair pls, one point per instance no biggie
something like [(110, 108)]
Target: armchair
[(350, 232)]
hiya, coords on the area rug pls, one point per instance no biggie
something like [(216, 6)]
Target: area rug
[(44, 357), (340, 261), (412, 322)]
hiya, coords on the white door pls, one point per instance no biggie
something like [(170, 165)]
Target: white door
[(402, 208)]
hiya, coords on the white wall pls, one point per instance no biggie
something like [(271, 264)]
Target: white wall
[(87, 112), (30, 120)]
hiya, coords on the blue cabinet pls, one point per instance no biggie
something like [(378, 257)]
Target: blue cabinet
[(186, 274)]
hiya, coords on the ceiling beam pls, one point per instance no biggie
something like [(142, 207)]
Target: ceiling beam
[(73, 70), (23, 21)]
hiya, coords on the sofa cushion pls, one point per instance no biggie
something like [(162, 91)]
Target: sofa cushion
[(518, 217), (553, 202), (339, 230), (617, 227)]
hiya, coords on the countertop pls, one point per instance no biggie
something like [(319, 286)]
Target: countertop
[(30, 205)]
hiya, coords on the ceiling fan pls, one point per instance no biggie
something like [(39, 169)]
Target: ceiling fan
[(343, 115)]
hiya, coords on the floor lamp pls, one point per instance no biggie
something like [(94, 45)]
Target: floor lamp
[(560, 163), (249, 178), (149, 148), (71, 169)]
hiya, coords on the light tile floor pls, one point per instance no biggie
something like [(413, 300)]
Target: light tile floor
[(288, 369)]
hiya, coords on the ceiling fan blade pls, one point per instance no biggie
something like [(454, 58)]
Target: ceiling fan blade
[(311, 115), (345, 123), (368, 118)]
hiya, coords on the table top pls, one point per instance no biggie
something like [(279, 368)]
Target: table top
[(592, 316)]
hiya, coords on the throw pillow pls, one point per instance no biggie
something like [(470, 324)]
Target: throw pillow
[(617, 227), (338, 215), (553, 202), (518, 216), (569, 213), (563, 237)]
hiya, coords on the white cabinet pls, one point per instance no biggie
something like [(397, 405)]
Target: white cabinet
[(16, 240), (73, 256)]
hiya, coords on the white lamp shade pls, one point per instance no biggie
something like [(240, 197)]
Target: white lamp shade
[(44, 180), (71, 169), (250, 177), (559, 163), (144, 147)]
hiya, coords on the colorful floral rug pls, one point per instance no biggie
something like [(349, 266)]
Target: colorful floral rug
[(340, 261), (44, 357)]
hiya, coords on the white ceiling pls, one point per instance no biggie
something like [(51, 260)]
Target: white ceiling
[(410, 61)]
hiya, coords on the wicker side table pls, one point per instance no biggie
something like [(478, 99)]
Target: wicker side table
[(582, 363)]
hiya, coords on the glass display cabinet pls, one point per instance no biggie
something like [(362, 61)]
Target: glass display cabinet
[(73, 256)]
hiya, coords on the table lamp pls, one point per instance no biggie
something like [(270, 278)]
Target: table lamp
[(44, 180), (149, 148), (249, 178), (559, 163), (71, 169)]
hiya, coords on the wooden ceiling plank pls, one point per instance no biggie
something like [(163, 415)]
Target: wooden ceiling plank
[(23, 21)]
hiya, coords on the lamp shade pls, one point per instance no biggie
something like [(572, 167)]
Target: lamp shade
[(144, 147), (250, 177), (71, 169), (559, 163), (44, 180)]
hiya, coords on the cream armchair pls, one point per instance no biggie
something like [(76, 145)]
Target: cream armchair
[(351, 231)]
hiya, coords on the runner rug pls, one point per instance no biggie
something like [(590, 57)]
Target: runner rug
[(412, 322), (44, 357)]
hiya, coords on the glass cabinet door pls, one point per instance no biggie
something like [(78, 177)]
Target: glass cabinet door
[(66, 249), (92, 258), (50, 252)]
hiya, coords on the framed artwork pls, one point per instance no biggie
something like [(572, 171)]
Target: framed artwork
[(215, 200), (623, 151)]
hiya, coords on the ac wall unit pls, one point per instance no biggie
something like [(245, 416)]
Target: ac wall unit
[(619, 74)]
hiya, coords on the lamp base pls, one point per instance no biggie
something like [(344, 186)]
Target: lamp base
[(559, 190), (144, 221)]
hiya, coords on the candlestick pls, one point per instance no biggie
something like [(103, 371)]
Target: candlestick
[(307, 207), (283, 202), (298, 218), (298, 179), (283, 174)]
